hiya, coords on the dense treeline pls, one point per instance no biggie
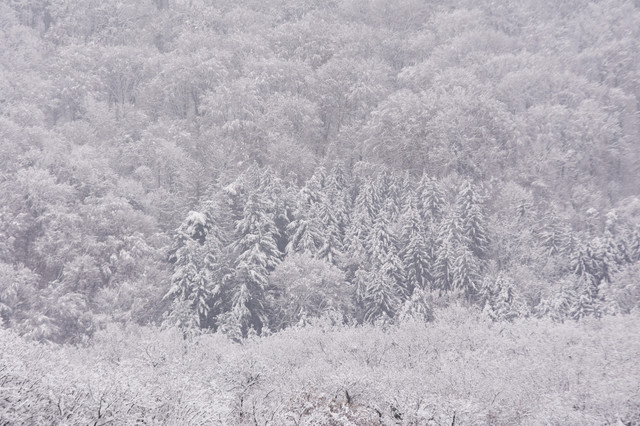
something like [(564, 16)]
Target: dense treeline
[(377, 245), (335, 155)]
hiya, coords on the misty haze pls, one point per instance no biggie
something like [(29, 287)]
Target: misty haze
[(320, 212)]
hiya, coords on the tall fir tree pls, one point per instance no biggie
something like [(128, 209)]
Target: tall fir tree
[(383, 256), (414, 254), (337, 195), (331, 245), (632, 246), (380, 297), (472, 220), (431, 200), (466, 272), (305, 230), (197, 269), (449, 238), (367, 203), (256, 255)]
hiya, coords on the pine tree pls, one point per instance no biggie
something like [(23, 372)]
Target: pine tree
[(382, 251), (431, 202), (305, 230), (380, 296), (632, 252), (336, 195), (367, 203), (305, 236), (553, 237), (417, 307), (356, 255), (585, 302), (449, 238), (472, 220), (361, 221), (466, 272), (196, 276), (390, 187), (415, 256), (583, 262), (256, 255), (499, 302), (609, 255), (316, 184), (280, 204), (331, 246), (337, 179), (407, 192)]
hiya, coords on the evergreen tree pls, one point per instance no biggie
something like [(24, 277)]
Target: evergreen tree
[(361, 219), (584, 263), (498, 299), (389, 186), (305, 236), (586, 302), (415, 256), (356, 255), (305, 230), (465, 275), (256, 255), (632, 246), (553, 238), (331, 246), (382, 251), (407, 192), (336, 195), (380, 295), (197, 276), (337, 179), (609, 255), (367, 203), (417, 307), (280, 204), (431, 202), (316, 185), (472, 220), (449, 238), (357, 232)]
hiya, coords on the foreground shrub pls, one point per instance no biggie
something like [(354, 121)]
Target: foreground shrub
[(460, 366)]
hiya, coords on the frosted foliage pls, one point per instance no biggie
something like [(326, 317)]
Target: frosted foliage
[(319, 212)]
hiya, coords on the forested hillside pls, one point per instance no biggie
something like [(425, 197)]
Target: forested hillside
[(247, 166), (319, 212)]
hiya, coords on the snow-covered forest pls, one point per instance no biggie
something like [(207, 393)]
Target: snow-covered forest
[(319, 212)]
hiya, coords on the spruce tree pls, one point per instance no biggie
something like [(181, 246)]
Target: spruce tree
[(380, 295), (465, 276), (196, 277), (414, 254), (472, 220), (256, 255), (382, 251), (304, 231), (553, 237), (304, 236), (449, 238), (367, 203), (331, 245), (417, 307), (431, 202), (336, 196), (632, 252), (498, 299)]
